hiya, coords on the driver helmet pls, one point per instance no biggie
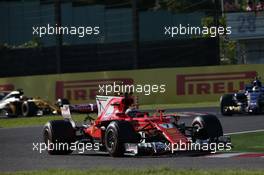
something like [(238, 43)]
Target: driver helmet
[(23, 97), (130, 110), (257, 83), (256, 88)]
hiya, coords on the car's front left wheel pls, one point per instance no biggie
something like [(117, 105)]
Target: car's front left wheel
[(58, 136)]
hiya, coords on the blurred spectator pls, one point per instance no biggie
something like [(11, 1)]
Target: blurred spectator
[(250, 6), (230, 6), (260, 5)]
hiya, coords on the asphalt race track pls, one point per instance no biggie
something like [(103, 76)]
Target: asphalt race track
[(16, 151)]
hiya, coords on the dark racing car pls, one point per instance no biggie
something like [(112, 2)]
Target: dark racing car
[(248, 101)]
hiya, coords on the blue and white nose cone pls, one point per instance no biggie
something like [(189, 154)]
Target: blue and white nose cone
[(253, 101)]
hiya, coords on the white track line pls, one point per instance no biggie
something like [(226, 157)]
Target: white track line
[(224, 155), (244, 132), (237, 155)]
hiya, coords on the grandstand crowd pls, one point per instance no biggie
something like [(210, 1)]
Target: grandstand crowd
[(249, 5)]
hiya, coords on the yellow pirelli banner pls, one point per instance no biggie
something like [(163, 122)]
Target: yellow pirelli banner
[(152, 86)]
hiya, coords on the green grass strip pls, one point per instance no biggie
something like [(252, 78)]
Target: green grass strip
[(37, 121), (248, 142), (33, 121), (179, 106)]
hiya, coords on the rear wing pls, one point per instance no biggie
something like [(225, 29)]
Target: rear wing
[(66, 114), (103, 101)]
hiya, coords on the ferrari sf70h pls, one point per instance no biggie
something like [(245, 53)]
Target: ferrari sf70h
[(121, 129)]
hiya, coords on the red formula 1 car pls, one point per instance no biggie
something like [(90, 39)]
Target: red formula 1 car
[(121, 129)]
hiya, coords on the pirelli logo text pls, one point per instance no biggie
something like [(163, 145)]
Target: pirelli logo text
[(216, 83), (84, 90)]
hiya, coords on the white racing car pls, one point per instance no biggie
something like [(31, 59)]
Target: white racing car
[(14, 103)]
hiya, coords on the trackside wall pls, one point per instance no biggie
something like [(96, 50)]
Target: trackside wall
[(183, 85)]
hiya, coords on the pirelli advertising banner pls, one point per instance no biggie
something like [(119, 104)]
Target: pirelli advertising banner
[(152, 86)]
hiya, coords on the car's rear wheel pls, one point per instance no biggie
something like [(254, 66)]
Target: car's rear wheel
[(117, 134), (4, 113), (29, 109), (207, 127), (58, 136), (11, 110)]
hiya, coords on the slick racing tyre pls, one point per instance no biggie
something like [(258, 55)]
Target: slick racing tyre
[(58, 136), (207, 127), (12, 110), (28, 109), (226, 101), (118, 133), (3, 113), (8, 112)]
